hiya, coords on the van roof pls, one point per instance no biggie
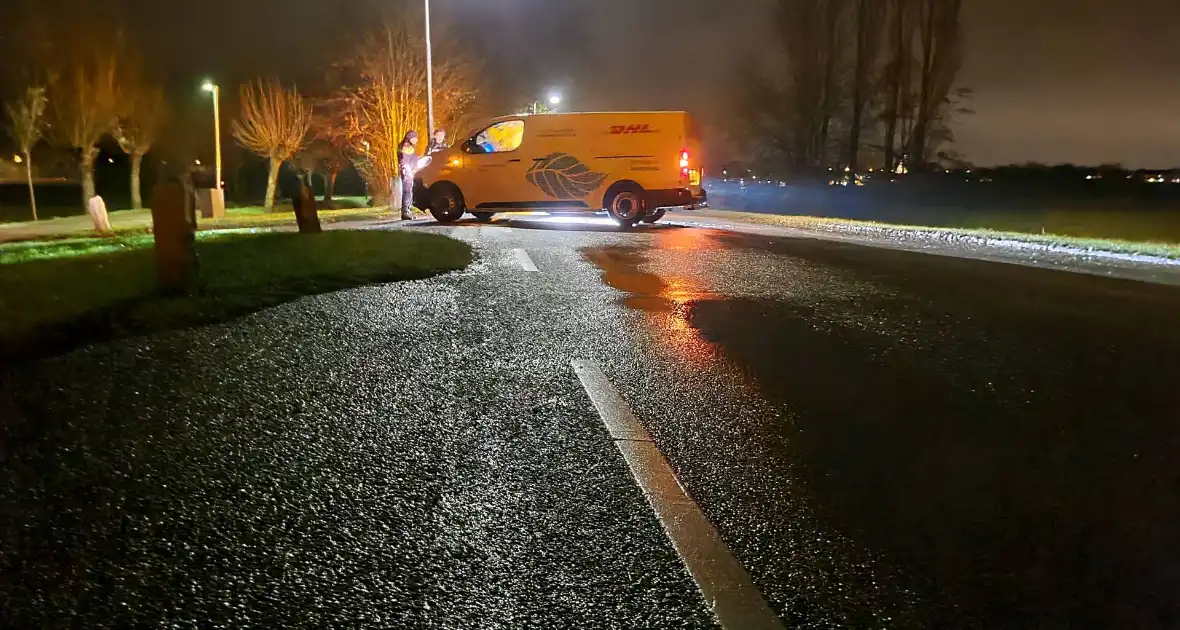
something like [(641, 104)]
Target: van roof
[(625, 113)]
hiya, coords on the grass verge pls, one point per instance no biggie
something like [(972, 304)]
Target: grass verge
[(59, 295), (1080, 243), (125, 222)]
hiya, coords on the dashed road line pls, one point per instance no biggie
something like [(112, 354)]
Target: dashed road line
[(525, 261), (724, 582)]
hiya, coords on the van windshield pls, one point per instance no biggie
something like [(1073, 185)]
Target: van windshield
[(501, 137)]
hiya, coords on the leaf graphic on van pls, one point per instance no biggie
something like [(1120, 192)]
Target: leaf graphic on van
[(562, 176)]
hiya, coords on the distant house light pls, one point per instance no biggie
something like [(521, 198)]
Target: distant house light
[(18, 159)]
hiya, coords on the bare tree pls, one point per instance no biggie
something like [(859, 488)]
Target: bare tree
[(940, 37), (85, 105), (834, 12), (138, 130), (26, 118), (869, 24), (898, 74), (940, 133), (329, 149), (386, 97), (797, 103), (273, 124)]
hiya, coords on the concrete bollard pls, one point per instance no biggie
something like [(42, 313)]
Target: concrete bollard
[(175, 251), (97, 209), (211, 203)]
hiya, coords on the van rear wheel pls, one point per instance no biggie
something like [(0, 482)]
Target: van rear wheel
[(652, 217), (625, 204), (446, 202)]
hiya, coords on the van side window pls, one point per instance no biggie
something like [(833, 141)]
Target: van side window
[(501, 137)]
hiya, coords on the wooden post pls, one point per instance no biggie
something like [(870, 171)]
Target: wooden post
[(306, 215), (173, 224)]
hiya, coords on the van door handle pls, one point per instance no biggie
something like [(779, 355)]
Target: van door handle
[(517, 161)]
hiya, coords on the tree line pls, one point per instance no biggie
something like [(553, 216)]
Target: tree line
[(88, 82), (852, 83)]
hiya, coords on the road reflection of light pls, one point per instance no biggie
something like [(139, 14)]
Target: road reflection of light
[(568, 220), (665, 302), (545, 218), (690, 239)]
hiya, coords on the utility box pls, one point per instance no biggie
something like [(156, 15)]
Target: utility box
[(211, 203)]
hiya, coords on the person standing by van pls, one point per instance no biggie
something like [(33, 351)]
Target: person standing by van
[(407, 164), (438, 142)]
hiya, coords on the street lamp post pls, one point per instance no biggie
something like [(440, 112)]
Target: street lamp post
[(429, 77), (213, 87), (212, 201)]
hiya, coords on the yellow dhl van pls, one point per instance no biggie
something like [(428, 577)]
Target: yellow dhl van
[(635, 165)]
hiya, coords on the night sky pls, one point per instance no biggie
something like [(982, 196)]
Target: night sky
[(1082, 81)]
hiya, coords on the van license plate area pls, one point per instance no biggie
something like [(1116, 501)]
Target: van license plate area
[(694, 177)]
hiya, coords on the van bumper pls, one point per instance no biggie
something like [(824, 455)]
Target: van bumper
[(676, 198)]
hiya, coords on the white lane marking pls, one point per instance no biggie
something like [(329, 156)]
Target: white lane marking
[(525, 261), (724, 582)]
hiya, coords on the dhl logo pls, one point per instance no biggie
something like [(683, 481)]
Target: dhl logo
[(628, 129)]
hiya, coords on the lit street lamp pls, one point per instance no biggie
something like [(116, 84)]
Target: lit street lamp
[(554, 100), (210, 86)]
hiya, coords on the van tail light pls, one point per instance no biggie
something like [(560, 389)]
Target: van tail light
[(684, 163)]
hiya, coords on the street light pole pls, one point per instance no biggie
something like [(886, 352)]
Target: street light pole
[(429, 77), (217, 136), (214, 89)]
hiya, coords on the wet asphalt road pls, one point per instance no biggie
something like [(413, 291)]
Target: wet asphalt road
[(884, 439)]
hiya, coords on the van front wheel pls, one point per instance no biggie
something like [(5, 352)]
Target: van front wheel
[(624, 203), (446, 202)]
